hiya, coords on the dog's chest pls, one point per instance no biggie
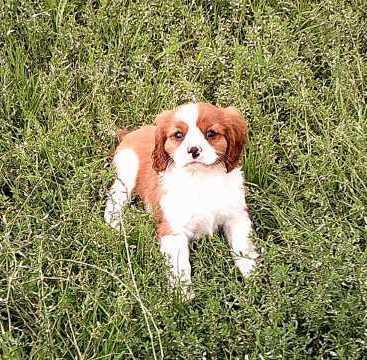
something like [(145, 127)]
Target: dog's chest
[(197, 202)]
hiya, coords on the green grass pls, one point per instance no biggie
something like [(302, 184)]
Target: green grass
[(71, 72)]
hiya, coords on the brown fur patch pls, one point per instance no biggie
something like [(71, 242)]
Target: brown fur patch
[(142, 141), (236, 135), (231, 129), (165, 141)]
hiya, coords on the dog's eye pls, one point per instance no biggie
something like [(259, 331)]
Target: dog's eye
[(211, 134), (179, 135)]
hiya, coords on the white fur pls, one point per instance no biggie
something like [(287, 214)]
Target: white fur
[(176, 249), (126, 163), (197, 200), (194, 137), (237, 229)]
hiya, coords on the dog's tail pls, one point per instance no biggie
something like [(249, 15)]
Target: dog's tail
[(121, 133)]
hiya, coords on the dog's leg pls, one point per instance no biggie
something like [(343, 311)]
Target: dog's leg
[(176, 249), (237, 230), (126, 163)]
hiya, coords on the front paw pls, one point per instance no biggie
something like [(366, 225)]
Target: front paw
[(185, 290), (182, 283), (246, 263), (112, 216), (246, 266)]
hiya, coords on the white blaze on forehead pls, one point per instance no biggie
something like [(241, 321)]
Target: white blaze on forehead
[(194, 137), (188, 113)]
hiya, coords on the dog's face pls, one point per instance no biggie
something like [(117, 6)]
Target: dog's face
[(199, 135)]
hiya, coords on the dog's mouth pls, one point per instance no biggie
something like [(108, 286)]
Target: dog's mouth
[(195, 163), (202, 162)]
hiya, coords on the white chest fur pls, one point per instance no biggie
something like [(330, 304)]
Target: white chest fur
[(196, 201)]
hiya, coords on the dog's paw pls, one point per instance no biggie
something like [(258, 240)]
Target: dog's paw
[(112, 216), (183, 285), (187, 293), (184, 291), (247, 264)]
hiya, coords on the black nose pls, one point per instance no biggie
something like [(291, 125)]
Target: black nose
[(194, 151)]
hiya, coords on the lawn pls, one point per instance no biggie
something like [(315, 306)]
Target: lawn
[(72, 72)]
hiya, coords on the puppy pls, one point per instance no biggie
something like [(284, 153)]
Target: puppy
[(186, 170)]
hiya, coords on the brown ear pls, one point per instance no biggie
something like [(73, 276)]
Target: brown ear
[(236, 136), (159, 155)]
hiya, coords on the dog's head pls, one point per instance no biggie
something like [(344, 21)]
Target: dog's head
[(199, 135)]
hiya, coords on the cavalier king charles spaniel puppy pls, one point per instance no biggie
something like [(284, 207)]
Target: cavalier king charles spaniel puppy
[(186, 170)]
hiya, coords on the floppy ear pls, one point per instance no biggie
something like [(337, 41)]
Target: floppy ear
[(236, 136), (159, 155)]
